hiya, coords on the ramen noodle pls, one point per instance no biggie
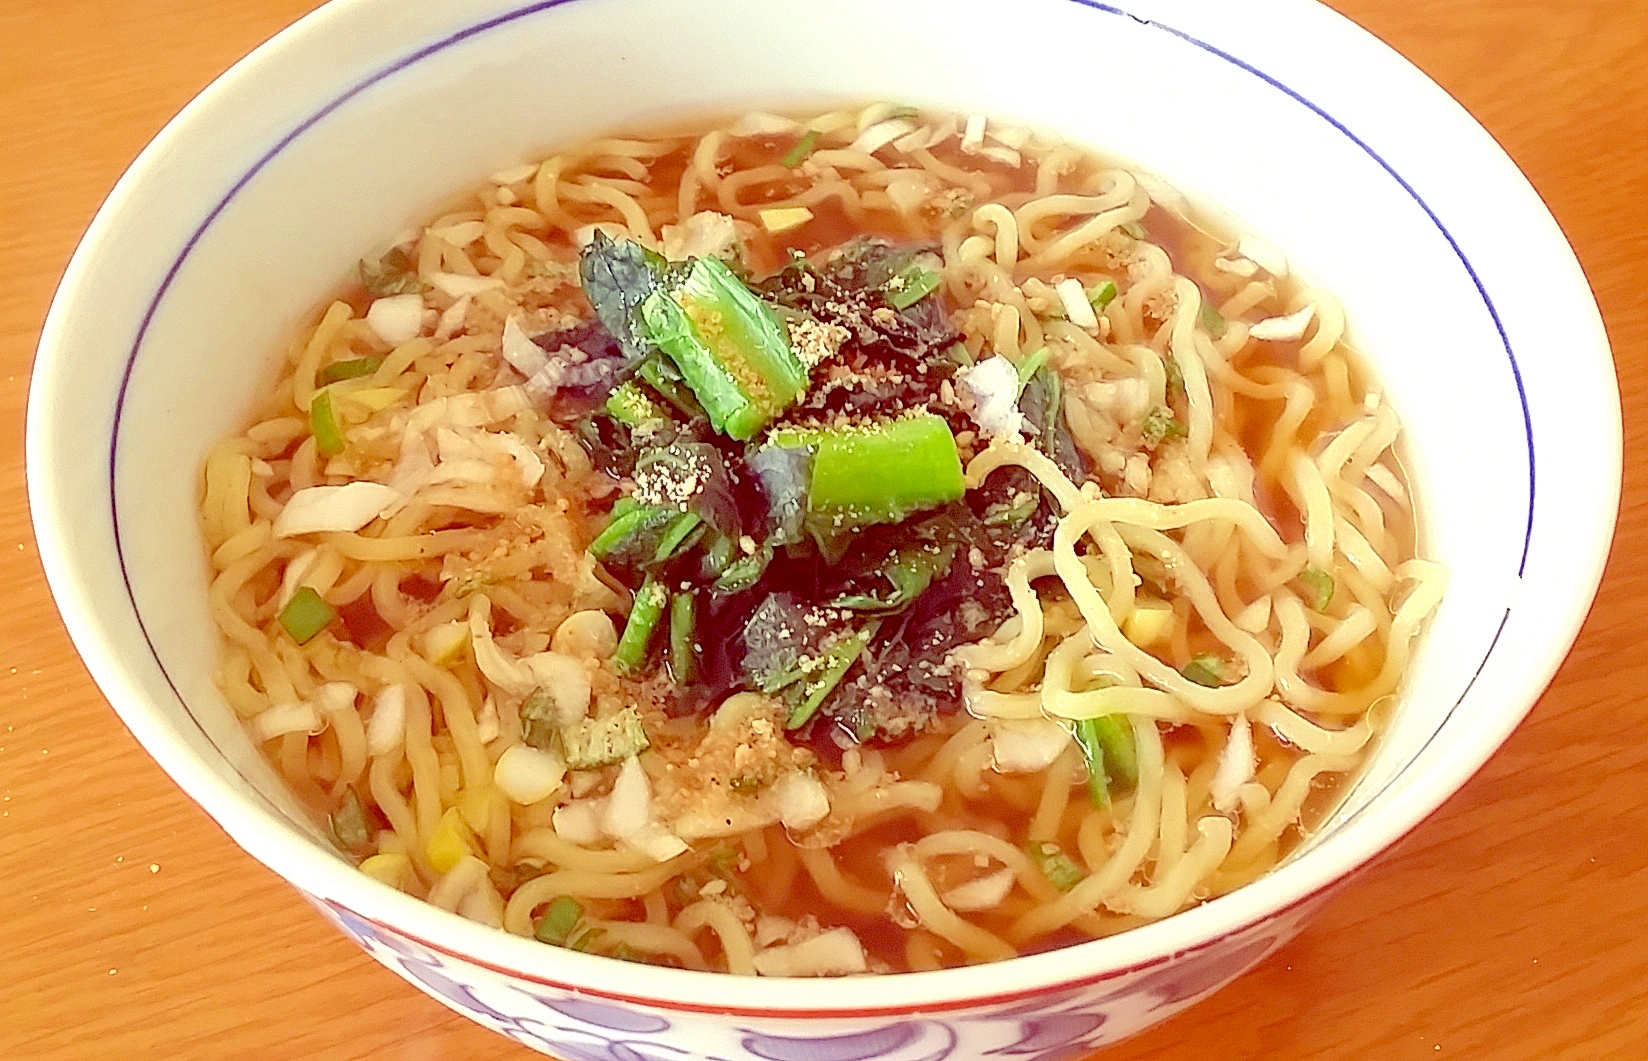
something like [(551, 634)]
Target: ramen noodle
[(872, 543)]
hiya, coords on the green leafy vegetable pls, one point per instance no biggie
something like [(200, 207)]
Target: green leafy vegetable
[(323, 424), (683, 641), (635, 535), (349, 824), (644, 615), (592, 742), (1321, 587), (538, 720), (1107, 747), (306, 615), (1161, 425), (1102, 295), (1213, 320), (825, 674), (618, 277), (729, 345), (909, 572), (912, 285), (745, 571), (1208, 670), (558, 921), (351, 368), (660, 373), (1032, 364), (1042, 403), (1060, 870), (798, 153), (393, 274)]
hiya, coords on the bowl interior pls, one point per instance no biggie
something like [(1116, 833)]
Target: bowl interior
[(256, 205)]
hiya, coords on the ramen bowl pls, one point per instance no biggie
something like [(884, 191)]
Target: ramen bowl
[(256, 202)]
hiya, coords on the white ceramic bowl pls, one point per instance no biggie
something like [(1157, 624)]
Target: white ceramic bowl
[(256, 201)]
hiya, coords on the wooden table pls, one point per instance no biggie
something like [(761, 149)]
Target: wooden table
[(1508, 927)]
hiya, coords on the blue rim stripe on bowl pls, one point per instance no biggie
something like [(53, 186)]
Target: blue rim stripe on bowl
[(508, 17)]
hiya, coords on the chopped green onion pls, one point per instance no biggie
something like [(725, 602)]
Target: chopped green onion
[(585, 940), (1107, 747), (632, 406), (306, 615), (676, 538), (1032, 363), (662, 376), (1207, 669), (1212, 320), (879, 473), (730, 348), (1135, 229), (1321, 587), (683, 642), (799, 152), (1060, 870), (745, 571), (1161, 425), (829, 669), (353, 368), (901, 111), (1175, 375), (911, 286), (557, 923), (1102, 295), (323, 424), (644, 615)]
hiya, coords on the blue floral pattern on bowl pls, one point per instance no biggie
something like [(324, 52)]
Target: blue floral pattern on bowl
[(1048, 1026)]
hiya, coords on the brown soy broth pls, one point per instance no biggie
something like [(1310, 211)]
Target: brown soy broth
[(779, 884)]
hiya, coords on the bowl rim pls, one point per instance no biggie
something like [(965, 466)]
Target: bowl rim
[(313, 871)]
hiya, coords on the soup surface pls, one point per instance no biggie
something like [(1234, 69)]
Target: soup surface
[(877, 542)]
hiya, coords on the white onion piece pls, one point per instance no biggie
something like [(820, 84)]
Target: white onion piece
[(803, 801), (1076, 306), (460, 233), (982, 893), (528, 775), (333, 508), (1279, 329), (281, 719), (297, 569), (993, 385), (386, 729), (881, 134), (566, 679), (579, 822), (907, 191), (335, 697), (1026, 745), (482, 903), (1235, 266), (486, 723), (523, 355), (762, 123), (457, 285), (515, 174), (629, 804), (972, 134), (451, 320), (1263, 254), (706, 234), (656, 842), (1235, 766), (500, 668), (833, 953), (587, 634), (397, 318)]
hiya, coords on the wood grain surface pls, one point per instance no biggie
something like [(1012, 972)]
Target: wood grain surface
[(1510, 926)]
